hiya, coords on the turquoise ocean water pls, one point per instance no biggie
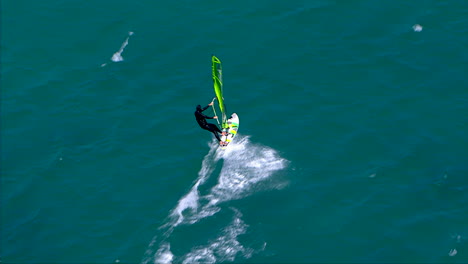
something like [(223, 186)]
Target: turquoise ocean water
[(353, 140)]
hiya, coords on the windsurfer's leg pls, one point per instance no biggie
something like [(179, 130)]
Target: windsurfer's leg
[(214, 128), (216, 135)]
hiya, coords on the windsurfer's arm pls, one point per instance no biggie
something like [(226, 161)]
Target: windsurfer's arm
[(206, 107), (209, 117)]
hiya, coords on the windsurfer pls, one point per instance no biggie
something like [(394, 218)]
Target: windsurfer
[(201, 119)]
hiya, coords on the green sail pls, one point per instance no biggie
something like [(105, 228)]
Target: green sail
[(218, 88)]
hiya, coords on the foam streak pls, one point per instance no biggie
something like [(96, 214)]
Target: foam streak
[(118, 55)]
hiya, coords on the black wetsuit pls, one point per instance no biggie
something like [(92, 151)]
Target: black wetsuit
[(201, 119)]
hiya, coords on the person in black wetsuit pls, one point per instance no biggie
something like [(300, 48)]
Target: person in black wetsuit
[(201, 119)]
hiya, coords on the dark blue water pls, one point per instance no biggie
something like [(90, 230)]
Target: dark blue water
[(352, 144)]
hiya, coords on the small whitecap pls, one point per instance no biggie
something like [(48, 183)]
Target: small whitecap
[(417, 28), (117, 57), (453, 252), (372, 175)]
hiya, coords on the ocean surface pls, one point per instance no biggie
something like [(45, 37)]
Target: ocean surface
[(352, 147)]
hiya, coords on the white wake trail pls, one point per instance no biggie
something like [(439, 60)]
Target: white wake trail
[(245, 166), (191, 199), (176, 217)]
